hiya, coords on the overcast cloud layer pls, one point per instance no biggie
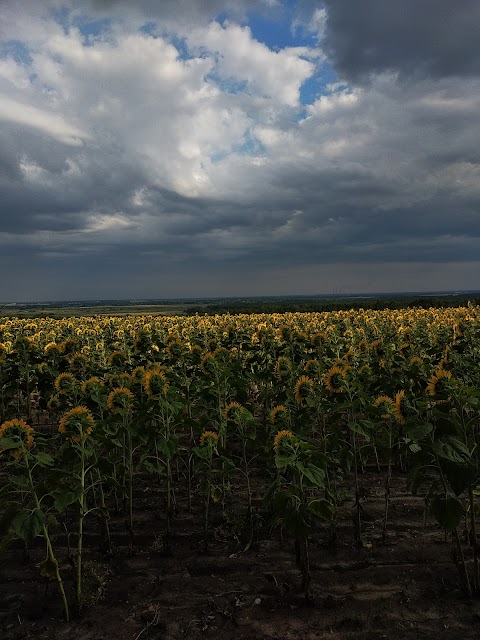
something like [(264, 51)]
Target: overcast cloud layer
[(238, 148)]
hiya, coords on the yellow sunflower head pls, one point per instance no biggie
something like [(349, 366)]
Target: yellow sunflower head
[(92, 385), (120, 400), (278, 413), (155, 383), (283, 367), (399, 408), (313, 368), (281, 437), (386, 404), (65, 383), (78, 423), (20, 432), (209, 439), (303, 388), (334, 379), (137, 375), (233, 410), (117, 359), (436, 384)]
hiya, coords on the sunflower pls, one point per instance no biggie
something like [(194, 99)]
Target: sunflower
[(155, 383), (175, 348), (92, 385), (78, 420), (278, 413), (399, 407), (53, 350), (283, 367), (433, 388), (303, 388), (277, 441), (334, 379), (123, 379), (20, 431), (313, 367), (78, 362), (209, 438), (117, 358), (120, 399), (138, 374), (387, 404), (65, 383), (207, 362), (232, 410)]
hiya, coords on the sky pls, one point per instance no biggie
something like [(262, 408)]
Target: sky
[(191, 148)]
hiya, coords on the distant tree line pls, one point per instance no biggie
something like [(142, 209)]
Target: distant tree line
[(337, 304)]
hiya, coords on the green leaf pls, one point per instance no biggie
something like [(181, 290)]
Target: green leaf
[(44, 459), (450, 451), (322, 509), (313, 473), (448, 511), (27, 525), (19, 481), (66, 498), (8, 443), (282, 462), (168, 447), (460, 476), (358, 428), (419, 432)]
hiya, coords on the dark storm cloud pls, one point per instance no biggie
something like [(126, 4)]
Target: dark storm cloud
[(438, 38)]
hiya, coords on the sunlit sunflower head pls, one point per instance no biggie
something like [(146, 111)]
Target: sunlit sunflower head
[(53, 350), (386, 404), (155, 383), (283, 367), (277, 414), (78, 423), (281, 438), (209, 439), (65, 383), (120, 400), (233, 410), (399, 408), (20, 432), (438, 382), (334, 379), (303, 389)]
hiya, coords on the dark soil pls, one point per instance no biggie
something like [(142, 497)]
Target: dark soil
[(404, 589)]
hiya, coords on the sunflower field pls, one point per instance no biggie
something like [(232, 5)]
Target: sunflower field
[(279, 418)]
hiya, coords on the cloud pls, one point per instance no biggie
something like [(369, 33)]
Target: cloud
[(436, 38), (179, 160)]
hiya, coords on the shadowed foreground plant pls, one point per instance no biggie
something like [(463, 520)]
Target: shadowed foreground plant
[(300, 474), (17, 441)]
